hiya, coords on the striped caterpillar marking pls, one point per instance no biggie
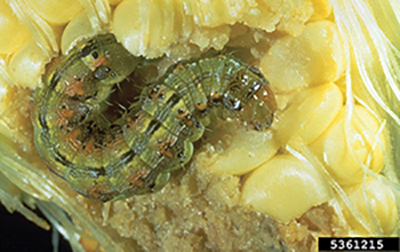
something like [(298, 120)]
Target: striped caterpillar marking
[(135, 153)]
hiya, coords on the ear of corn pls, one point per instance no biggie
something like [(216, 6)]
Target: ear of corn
[(330, 156)]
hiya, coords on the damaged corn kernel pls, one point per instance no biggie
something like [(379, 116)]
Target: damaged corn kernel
[(79, 27), (152, 37), (316, 56), (203, 25), (322, 9)]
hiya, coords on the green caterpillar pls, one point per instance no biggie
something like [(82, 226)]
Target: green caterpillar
[(135, 153)]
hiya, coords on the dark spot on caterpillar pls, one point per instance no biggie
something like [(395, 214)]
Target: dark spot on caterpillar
[(174, 99), (201, 107), (101, 72), (61, 159), (87, 50), (128, 156), (95, 55), (134, 150), (153, 127), (152, 185), (256, 71), (43, 122), (54, 81)]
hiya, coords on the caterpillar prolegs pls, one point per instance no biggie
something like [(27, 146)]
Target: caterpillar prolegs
[(135, 153)]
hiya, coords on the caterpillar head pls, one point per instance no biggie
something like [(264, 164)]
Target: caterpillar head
[(259, 112), (252, 97), (109, 61)]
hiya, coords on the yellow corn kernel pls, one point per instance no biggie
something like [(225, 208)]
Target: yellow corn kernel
[(215, 13), (380, 199), (79, 27), (246, 151), (56, 12), (294, 23), (316, 56), (322, 9), (332, 147), (146, 29), (29, 60), (139, 33), (285, 188), (309, 114), (13, 33)]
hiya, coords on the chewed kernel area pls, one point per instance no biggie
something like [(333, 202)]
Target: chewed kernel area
[(314, 57)]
